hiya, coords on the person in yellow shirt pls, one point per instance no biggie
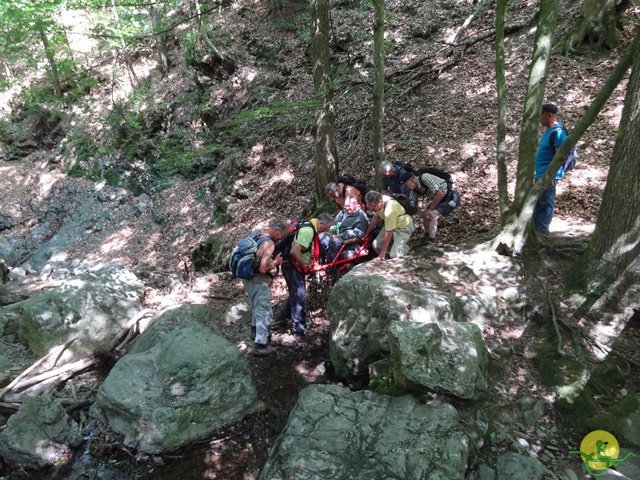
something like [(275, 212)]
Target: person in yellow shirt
[(398, 226)]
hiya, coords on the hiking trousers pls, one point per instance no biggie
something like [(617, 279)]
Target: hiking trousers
[(295, 306), (261, 311), (543, 211), (399, 245)]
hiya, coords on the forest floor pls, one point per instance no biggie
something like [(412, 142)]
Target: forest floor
[(446, 120)]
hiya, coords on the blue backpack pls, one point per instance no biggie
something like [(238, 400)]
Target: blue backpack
[(572, 158), (243, 262)]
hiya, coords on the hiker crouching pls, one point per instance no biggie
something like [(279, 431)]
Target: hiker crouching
[(443, 200), (397, 225), (257, 287)]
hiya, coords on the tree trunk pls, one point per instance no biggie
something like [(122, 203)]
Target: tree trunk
[(596, 25), (512, 237), (326, 151), (377, 134), (160, 43), (133, 78), (57, 87), (501, 88), (534, 98), (615, 244)]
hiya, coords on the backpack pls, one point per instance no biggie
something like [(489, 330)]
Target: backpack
[(243, 262), (406, 166), (410, 206), (446, 176), (572, 158), (348, 179), (283, 247)]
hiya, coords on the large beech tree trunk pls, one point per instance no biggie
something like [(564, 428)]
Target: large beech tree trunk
[(612, 258), (596, 25)]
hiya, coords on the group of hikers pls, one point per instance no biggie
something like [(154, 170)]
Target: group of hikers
[(296, 246)]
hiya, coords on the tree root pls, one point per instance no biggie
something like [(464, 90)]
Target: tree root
[(554, 319)]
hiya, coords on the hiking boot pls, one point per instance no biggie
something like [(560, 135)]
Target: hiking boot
[(260, 350), (299, 332), (428, 241)]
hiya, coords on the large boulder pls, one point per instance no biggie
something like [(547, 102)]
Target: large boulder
[(449, 357), (363, 305), (631, 429), (39, 434), (513, 465), (176, 386), (92, 307), (5, 371), (335, 433)]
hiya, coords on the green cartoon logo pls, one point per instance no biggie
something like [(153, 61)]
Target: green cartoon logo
[(600, 451)]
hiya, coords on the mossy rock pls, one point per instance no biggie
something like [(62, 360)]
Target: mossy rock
[(212, 254)]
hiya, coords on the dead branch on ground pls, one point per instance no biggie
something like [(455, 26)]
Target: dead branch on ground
[(47, 381)]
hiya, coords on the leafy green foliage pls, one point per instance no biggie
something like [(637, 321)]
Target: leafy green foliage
[(386, 386), (275, 117)]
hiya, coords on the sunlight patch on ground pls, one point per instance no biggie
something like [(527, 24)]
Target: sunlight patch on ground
[(614, 115), (587, 177), (286, 177), (117, 241), (570, 227), (47, 181)]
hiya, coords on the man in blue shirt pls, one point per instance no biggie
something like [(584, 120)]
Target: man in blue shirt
[(551, 139), (393, 177)]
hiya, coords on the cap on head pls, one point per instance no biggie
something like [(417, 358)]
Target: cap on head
[(404, 176), (549, 108), (292, 224)]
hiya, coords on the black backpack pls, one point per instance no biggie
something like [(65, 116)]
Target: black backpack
[(410, 206), (406, 166), (446, 176), (572, 158), (348, 179), (283, 247)]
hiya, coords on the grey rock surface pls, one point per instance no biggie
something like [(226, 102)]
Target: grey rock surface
[(334, 433), (92, 307), (513, 465), (449, 357), (175, 387), (39, 434)]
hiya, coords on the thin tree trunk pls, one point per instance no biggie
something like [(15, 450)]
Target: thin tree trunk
[(326, 151), (511, 238), (202, 31), (501, 149), (534, 98), (57, 87), (377, 134), (133, 77), (160, 43)]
